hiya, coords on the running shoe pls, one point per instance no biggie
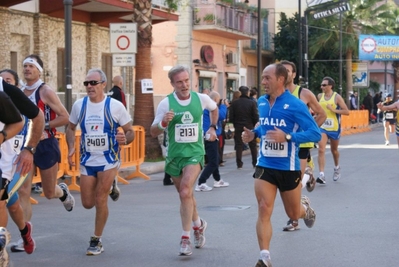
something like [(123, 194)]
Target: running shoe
[(311, 183), (95, 248), (185, 247), (19, 246), (203, 188), (5, 237), (337, 173), (292, 225), (261, 263), (199, 234), (115, 192), (220, 183), (29, 242), (38, 189), (387, 143), (69, 202), (321, 179), (310, 216)]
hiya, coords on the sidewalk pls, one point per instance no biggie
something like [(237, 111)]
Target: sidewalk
[(229, 153), (156, 167)]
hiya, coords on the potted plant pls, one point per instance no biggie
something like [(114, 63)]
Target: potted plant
[(209, 18)]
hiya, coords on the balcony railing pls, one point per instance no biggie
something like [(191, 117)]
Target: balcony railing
[(225, 17), (266, 44)]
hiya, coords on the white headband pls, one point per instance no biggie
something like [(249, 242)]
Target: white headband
[(30, 60)]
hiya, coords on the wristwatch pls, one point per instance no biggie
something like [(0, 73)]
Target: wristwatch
[(30, 149), (4, 134), (213, 126), (288, 137)]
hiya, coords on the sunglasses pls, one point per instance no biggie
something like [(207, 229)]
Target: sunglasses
[(86, 83), (323, 84)]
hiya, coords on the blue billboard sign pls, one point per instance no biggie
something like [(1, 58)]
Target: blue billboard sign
[(378, 47)]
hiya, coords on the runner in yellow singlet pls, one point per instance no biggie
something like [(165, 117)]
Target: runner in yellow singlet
[(335, 106), (304, 149)]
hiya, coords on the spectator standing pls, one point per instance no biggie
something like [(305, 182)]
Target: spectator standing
[(253, 94), (334, 106), (278, 167), (243, 112), (368, 103), (354, 102), (116, 92), (211, 149), (99, 118), (180, 114)]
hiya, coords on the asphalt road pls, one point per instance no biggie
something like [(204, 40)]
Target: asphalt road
[(356, 220)]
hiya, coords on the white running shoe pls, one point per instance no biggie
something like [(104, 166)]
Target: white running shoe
[(220, 183), (18, 246), (337, 174), (185, 247), (203, 188), (69, 202)]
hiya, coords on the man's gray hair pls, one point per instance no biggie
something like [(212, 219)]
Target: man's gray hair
[(99, 71), (176, 70)]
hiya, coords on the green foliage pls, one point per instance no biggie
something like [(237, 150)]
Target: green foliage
[(209, 17), (286, 40), (172, 4)]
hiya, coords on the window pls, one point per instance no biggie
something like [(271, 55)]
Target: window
[(204, 83), (106, 60)]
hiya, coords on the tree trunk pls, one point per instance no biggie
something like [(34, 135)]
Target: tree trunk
[(349, 82), (144, 103)]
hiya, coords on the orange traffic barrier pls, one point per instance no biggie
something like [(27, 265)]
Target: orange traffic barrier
[(132, 155), (73, 171), (356, 122)]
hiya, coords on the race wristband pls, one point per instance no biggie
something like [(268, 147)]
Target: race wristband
[(160, 126)]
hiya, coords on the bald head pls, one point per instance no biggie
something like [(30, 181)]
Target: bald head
[(118, 81), (215, 96)]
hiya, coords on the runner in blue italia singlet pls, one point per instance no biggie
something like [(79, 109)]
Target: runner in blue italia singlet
[(289, 114)]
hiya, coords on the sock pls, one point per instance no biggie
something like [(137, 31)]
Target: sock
[(305, 179), (336, 167), (64, 196), (197, 223), (185, 234), (264, 254), (24, 231), (322, 174)]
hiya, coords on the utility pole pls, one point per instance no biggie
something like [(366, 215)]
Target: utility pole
[(68, 53)]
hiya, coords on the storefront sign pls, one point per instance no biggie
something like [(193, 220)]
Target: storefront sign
[(379, 47)]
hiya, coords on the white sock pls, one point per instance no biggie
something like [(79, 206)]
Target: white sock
[(264, 254), (336, 167), (322, 174), (186, 233), (197, 223), (305, 179)]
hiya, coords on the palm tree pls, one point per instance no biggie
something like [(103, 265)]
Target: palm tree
[(364, 17), (144, 103)]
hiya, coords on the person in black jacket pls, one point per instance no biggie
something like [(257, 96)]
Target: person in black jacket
[(243, 113), (116, 92)]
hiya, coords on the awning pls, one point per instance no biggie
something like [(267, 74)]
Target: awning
[(233, 76), (207, 74)]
